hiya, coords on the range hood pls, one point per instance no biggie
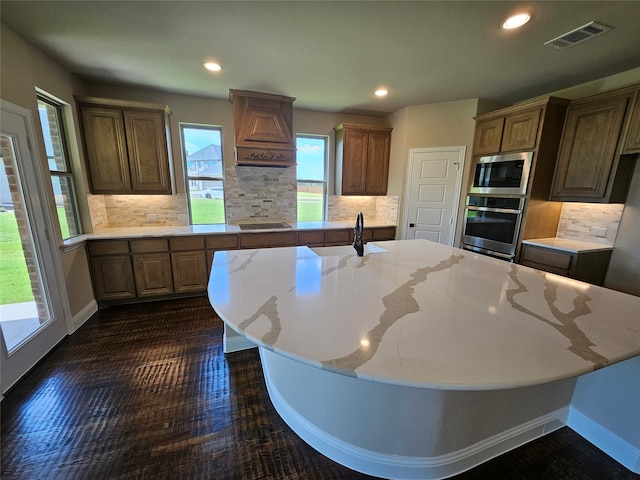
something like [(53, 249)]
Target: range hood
[(263, 129)]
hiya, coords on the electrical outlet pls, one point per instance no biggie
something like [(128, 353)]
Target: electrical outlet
[(152, 217), (599, 231)]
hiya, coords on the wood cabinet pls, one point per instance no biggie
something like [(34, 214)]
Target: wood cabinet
[(263, 129), (589, 166), (588, 267), (126, 146), (632, 144), (510, 130), (111, 269), (362, 159), (137, 269), (189, 264), (151, 267)]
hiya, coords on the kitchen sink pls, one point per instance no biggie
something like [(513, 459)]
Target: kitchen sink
[(341, 250), (264, 226)]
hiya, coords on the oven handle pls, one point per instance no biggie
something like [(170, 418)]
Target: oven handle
[(496, 210)]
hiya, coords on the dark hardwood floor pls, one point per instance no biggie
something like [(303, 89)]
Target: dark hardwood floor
[(145, 391)]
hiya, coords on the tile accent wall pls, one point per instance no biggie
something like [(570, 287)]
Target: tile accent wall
[(380, 209), (138, 211), (260, 195), (581, 221), (252, 194)]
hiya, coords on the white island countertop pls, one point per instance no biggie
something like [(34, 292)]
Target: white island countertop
[(422, 314)]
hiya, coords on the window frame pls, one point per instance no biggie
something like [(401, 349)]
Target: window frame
[(188, 178), (325, 182), (67, 174)]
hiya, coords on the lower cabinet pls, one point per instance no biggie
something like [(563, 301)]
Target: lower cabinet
[(113, 277), (588, 267), (189, 271), (152, 272), (142, 268)]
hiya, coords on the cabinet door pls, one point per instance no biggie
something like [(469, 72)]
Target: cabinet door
[(153, 274), (588, 148), (378, 150), (488, 136), (354, 167), (113, 277), (189, 271), (147, 149), (632, 144), (105, 149), (521, 131)]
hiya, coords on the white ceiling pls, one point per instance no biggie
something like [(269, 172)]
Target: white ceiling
[(332, 55)]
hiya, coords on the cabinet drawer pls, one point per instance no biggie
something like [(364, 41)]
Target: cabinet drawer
[(315, 237), (552, 258), (222, 242), (338, 237), (108, 247), (267, 239), (149, 245), (186, 243), (387, 233)]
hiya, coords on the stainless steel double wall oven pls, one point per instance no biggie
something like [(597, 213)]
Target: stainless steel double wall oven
[(495, 204)]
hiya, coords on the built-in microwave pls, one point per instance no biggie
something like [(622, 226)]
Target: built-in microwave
[(502, 174)]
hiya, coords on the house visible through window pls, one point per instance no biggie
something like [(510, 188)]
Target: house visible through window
[(312, 177), (55, 143), (204, 172)]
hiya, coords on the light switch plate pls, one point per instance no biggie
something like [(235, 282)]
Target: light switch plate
[(599, 231)]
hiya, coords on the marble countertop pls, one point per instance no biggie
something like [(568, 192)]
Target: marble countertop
[(423, 314), (567, 245), (165, 231)]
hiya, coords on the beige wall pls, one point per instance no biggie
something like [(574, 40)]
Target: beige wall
[(23, 69), (447, 124)]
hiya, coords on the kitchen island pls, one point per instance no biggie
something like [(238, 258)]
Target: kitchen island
[(419, 360)]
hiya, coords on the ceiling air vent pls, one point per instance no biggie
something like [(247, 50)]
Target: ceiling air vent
[(580, 34)]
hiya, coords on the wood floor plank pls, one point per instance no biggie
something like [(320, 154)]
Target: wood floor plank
[(145, 391)]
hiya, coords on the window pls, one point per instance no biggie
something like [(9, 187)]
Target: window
[(312, 177), (55, 142), (204, 172)]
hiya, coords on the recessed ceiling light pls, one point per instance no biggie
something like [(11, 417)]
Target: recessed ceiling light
[(211, 66), (381, 92), (516, 21)]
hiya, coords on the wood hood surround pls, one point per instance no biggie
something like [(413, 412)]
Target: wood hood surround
[(263, 129)]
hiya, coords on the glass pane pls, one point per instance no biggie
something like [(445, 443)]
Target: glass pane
[(311, 157), (202, 151), (53, 141), (310, 202), (206, 201), (23, 309), (65, 206)]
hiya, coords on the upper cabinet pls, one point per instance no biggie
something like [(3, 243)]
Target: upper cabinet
[(126, 146), (632, 145), (263, 129), (517, 128), (590, 167), (362, 159)]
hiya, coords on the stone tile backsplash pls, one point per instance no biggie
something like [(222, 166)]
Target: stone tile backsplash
[(255, 197), (590, 222)]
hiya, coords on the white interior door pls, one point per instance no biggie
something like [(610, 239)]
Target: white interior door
[(33, 299), (433, 193)]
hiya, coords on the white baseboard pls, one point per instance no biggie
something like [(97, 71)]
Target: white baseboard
[(611, 444), (84, 315)]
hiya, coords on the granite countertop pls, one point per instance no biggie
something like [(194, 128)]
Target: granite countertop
[(567, 245), (423, 314), (166, 231)]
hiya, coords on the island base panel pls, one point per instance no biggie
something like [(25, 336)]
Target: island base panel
[(395, 431)]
